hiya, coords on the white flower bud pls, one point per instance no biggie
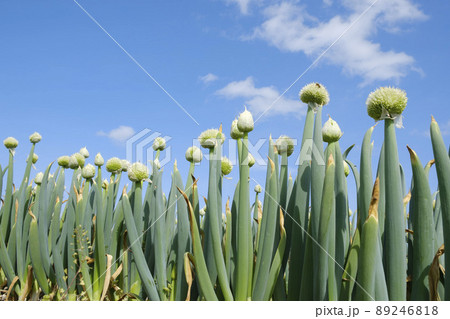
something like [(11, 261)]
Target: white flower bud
[(250, 160), (285, 145), (209, 138), (226, 166), (35, 138), (159, 144), (245, 122), (105, 184), (235, 133), (137, 172), (125, 165), (331, 131), (114, 165), (346, 169), (63, 161), (38, 178), (157, 163), (84, 152), (194, 154), (88, 171), (258, 189), (10, 143), (98, 160), (80, 159), (34, 159), (73, 162)]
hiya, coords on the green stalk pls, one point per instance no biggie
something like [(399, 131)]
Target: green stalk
[(183, 240), (423, 227), (365, 191), (342, 242), (443, 175), (133, 238), (394, 240), (214, 212), (351, 268), (326, 210), (160, 244), (277, 260), (36, 258), (7, 205), (317, 179), (365, 291), (280, 287), (265, 249), (99, 248), (243, 221), (206, 286), (300, 211)]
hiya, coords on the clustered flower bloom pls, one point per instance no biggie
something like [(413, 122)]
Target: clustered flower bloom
[(88, 171), (209, 138), (138, 172), (114, 165), (386, 102), (314, 93)]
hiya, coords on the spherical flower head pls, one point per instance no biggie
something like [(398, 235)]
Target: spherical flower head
[(10, 143), (105, 184), (202, 211), (88, 171), (38, 178), (84, 152), (35, 138), (226, 166), (250, 160), (331, 131), (73, 162), (125, 165), (346, 169), (159, 144), (194, 154), (137, 172), (63, 161), (285, 145), (245, 122), (391, 100), (98, 160), (235, 133), (80, 159), (114, 165), (209, 138), (258, 189), (34, 159), (314, 93)]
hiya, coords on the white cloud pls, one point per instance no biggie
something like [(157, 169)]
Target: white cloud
[(244, 5), (289, 27), (258, 100), (119, 135), (208, 78)]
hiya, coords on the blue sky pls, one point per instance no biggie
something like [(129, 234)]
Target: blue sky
[(63, 76)]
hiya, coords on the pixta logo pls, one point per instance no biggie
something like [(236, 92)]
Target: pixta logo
[(139, 147)]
